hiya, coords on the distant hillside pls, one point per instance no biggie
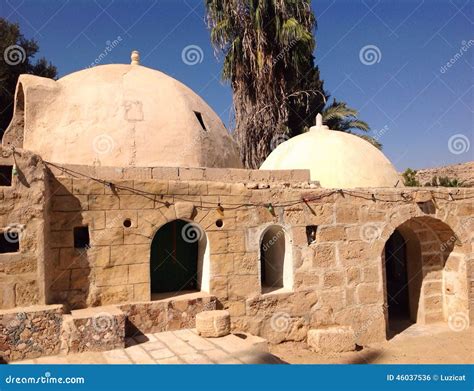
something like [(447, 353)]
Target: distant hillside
[(463, 172)]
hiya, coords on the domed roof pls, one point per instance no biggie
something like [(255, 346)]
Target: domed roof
[(335, 159), (119, 115)]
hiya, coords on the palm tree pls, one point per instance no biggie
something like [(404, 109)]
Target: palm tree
[(339, 116), (267, 47)]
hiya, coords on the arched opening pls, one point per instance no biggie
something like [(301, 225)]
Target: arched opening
[(423, 275), (178, 259), (275, 267), (397, 286)]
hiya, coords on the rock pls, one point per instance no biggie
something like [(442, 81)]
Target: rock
[(335, 339), (211, 324)]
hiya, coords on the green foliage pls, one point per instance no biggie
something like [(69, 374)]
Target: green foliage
[(339, 116), (409, 178), (10, 35), (268, 47), (444, 182)]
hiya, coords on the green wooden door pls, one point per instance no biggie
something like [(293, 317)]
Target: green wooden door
[(173, 263)]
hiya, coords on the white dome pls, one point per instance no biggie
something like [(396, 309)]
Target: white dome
[(335, 159), (118, 115)]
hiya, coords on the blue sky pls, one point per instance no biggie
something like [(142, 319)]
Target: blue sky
[(422, 114)]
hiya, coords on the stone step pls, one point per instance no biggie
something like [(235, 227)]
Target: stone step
[(93, 329)]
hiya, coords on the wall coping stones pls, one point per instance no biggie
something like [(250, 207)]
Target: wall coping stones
[(210, 174)]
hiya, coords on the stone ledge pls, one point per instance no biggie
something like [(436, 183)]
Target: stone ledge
[(93, 329)]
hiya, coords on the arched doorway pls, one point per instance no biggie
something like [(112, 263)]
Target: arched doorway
[(176, 256), (397, 286), (275, 266), (423, 275)]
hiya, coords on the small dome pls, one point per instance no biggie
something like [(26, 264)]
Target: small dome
[(335, 159), (119, 115)]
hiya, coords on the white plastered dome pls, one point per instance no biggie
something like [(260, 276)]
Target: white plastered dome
[(335, 159), (118, 115)]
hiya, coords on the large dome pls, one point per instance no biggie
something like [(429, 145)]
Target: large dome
[(118, 115), (335, 159)]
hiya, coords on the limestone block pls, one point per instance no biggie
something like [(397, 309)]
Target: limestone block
[(347, 214), (103, 202), (137, 202), (334, 339), (212, 324), (331, 233), (184, 210)]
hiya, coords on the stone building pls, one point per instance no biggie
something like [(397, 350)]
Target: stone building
[(124, 209)]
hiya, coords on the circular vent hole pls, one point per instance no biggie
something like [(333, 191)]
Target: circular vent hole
[(219, 223), (127, 223)]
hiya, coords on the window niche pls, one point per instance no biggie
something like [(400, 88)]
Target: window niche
[(81, 238), (311, 231), (6, 173)]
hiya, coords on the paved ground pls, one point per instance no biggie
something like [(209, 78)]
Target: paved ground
[(418, 344), (174, 347)]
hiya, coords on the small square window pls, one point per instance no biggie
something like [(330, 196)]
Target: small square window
[(9, 242), (6, 175), (311, 233), (81, 237)]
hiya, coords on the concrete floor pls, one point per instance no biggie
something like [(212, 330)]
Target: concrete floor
[(174, 347)]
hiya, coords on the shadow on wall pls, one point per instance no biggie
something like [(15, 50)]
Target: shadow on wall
[(68, 274)]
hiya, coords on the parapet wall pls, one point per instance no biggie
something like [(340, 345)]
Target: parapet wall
[(332, 254), (228, 175), (335, 277)]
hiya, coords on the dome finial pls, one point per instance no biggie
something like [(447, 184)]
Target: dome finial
[(135, 57), (319, 123), (319, 120)]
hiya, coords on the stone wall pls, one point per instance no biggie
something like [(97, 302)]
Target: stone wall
[(22, 221), (30, 332), (338, 278)]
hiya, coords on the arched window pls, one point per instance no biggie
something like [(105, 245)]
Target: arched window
[(275, 266)]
